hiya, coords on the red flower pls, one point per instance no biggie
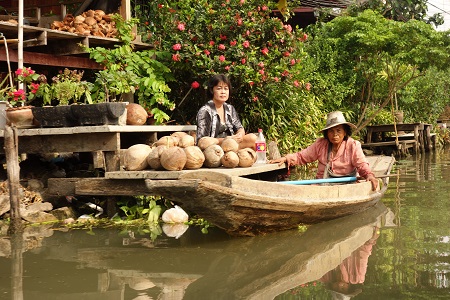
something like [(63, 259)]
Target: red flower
[(176, 57), (222, 58), (287, 53), (296, 83), (211, 43), (255, 98), (261, 71), (246, 44), (243, 61), (180, 27), (227, 68), (308, 86), (223, 37), (276, 79), (265, 51), (195, 85), (34, 87), (233, 43), (264, 8), (239, 22), (251, 83), (292, 62), (242, 2), (176, 47), (221, 47), (19, 94), (261, 64), (206, 52), (160, 6)]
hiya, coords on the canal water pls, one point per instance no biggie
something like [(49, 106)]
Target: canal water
[(399, 249)]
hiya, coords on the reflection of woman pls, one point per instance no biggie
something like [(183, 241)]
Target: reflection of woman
[(344, 281)]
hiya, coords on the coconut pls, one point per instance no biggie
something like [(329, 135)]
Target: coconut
[(135, 158), (247, 157), (179, 134), (213, 155), (136, 114), (230, 159), (153, 159), (173, 159), (194, 156), (186, 141), (229, 144), (169, 141), (207, 141)]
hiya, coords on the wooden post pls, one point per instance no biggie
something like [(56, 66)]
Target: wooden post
[(13, 170)]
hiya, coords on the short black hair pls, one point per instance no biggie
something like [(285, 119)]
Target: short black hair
[(347, 128), (213, 81)]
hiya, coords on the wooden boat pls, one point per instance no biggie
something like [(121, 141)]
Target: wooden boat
[(243, 206)]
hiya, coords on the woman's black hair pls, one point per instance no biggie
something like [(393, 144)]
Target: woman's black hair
[(348, 132), (213, 81)]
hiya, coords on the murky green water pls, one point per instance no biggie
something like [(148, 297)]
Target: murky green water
[(397, 250)]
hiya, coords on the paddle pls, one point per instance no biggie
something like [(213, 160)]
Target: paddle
[(323, 180)]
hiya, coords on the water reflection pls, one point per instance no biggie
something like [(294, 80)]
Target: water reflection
[(105, 264)]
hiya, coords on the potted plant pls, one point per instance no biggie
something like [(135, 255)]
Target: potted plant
[(15, 99)]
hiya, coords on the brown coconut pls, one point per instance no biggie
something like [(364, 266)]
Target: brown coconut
[(247, 157), (230, 159), (154, 158), (169, 141), (135, 158), (186, 141), (213, 155), (173, 159), (207, 141), (229, 144), (179, 134), (136, 114), (195, 158)]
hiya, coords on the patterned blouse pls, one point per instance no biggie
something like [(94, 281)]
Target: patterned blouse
[(208, 121)]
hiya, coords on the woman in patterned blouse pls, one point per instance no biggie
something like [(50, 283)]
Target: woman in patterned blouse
[(219, 119)]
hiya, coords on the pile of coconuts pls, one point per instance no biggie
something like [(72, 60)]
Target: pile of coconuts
[(178, 151)]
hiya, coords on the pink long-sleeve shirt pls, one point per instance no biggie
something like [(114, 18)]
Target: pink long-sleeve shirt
[(348, 157)]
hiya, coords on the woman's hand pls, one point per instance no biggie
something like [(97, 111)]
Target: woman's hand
[(238, 137), (280, 161), (374, 182)]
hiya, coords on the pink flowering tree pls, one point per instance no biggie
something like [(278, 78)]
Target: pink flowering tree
[(262, 56)]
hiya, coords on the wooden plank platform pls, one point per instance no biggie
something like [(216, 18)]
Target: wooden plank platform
[(152, 174)]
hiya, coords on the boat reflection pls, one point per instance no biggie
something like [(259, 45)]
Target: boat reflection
[(194, 266)]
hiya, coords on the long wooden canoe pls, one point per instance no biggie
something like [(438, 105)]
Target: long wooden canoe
[(243, 206)]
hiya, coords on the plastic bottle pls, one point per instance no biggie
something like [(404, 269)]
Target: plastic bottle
[(260, 145)]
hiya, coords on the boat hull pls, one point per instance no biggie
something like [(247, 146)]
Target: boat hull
[(243, 206)]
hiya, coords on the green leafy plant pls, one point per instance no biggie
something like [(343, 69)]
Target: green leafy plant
[(66, 88), (127, 70)]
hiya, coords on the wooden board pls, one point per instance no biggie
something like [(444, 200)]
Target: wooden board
[(152, 174)]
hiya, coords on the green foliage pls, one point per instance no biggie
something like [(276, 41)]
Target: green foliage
[(263, 58), (141, 207), (363, 63), (130, 71), (204, 224), (400, 10), (66, 88)]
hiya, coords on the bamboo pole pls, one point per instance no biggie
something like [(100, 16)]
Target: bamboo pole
[(13, 171)]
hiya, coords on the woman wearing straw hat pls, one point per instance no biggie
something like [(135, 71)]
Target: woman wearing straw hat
[(337, 153)]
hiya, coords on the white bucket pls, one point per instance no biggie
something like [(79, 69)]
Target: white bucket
[(3, 106)]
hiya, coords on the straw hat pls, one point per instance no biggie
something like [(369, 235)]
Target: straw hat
[(336, 118)]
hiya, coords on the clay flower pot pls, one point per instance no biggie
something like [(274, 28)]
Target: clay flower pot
[(21, 117)]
